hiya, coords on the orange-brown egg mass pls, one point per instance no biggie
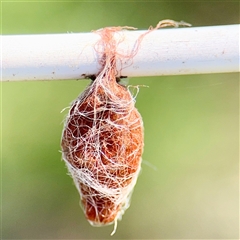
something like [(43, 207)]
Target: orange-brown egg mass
[(102, 144)]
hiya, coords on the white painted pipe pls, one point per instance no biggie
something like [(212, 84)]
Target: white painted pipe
[(174, 51)]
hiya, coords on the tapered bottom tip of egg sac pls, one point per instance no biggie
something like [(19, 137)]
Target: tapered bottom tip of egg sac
[(105, 221), (94, 224), (102, 212)]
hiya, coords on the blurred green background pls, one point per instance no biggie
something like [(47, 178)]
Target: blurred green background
[(188, 187)]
